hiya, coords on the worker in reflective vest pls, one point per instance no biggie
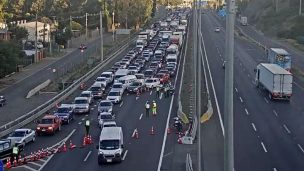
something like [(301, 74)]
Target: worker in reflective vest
[(87, 126), (154, 108)]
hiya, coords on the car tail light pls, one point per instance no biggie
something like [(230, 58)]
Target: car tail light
[(50, 127)]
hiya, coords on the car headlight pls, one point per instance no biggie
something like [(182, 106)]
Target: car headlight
[(135, 89), (50, 127), (38, 128)]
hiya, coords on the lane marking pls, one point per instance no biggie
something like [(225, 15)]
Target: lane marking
[(241, 99), (79, 123), (247, 113), (29, 168), (236, 90), (36, 164), (150, 92), (92, 108), (95, 105), (275, 113), (133, 134), (83, 119), (265, 150), (275, 169), (160, 96), (137, 98), (248, 76), (86, 158), (42, 160), (253, 82), (301, 148), (266, 100), (286, 128), (253, 126), (86, 115), (141, 115), (125, 154), (168, 154), (121, 104)]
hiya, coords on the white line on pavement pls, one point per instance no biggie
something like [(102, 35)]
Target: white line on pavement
[(168, 154), (275, 113), (236, 90), (248, 75), (160, 96), (42, 160), (95, 105), (275, 169), (247, 113), (137, 98), (86, 115), (141, 115), (125, 154), (150, 92), (264, 148), (79, 123), (266, 100), (253, 126), (286, 128), (133, 134), (83, 119), (92, 108), (252, 81), (86, 158), (29, 168), (241, 99), (121, 104), (301, 148)]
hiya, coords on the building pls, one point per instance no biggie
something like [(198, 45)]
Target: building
[(4, 33), (42, 29)]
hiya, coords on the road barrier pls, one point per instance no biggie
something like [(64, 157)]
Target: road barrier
[(42, 109), (189, 163), (190, 134), (38, 88)]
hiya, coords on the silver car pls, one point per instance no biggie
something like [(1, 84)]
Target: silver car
[(22, 136), (105, 106), (81, 105)]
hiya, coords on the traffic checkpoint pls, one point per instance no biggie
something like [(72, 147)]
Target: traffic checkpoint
[(150, 66)]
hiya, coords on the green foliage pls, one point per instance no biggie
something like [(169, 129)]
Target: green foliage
[(62, 36), (19, 33), (10, 55), (37, 6)]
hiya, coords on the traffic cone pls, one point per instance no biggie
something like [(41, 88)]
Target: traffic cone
[(64, 147), (179, 140), (32, 157), (25, 159), (38, 155), (168, 130), (72, 146), (8, 164), (152, 131), (15, 162), (90, 139), (19, 160), (84, 142), (42, 153)]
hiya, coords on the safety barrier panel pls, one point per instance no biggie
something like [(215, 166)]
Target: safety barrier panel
[(38, 88), (207, 115), (189, 163)]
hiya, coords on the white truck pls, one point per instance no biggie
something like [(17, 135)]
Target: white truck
[(244, 21), (176, 39), (275, 80)]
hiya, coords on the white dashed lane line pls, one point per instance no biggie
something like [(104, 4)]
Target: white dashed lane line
[(141, 115), (241, 99), (79, 123), (275, 169), (266, 100), (125, 154), (253, 126), (121, 104), (88, 155), (247, 113), (286, 128), (275, 113), (264, 148), (151, 92), (301, 148), (236, 90)]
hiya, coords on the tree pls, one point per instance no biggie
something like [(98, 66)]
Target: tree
[(2, 6), (16, 7), (37, 6), (19, 33)]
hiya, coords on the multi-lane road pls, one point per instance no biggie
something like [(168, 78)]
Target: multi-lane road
[(267, 133)]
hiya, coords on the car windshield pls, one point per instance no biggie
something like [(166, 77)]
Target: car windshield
[(171, 60), (105, 75), (135, 84), (95, 88), (81, 101), (85, 95), (105, 104), (114, 93), (170, 68), (63, 110), (148, 72), (109, 125), (132, 67), (18, 134), (149, 81), (46, 121), (140, 76), (101, 79), (106, 117), (117, 86), (109, 144)]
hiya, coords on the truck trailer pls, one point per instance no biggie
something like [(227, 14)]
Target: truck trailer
[(275, 80), (280, 57)]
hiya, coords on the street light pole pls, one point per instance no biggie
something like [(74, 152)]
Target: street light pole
[(228, 100), (113, 28), (36, 35), (300, 8), (101, 37), (86, 24)]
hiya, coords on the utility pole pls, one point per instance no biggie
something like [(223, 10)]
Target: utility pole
[(101, 37), (228, 100), (86, 24), (36, 35), (113, 27), (70, 44), (300, 8), (276, 6)]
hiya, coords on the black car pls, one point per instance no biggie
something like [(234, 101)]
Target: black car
[(135, 86), (65, 113), (2, 101)]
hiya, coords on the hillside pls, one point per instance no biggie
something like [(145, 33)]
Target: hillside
[(285, 23)]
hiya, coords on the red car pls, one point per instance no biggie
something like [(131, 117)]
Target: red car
[(49, 124), (164, 78)]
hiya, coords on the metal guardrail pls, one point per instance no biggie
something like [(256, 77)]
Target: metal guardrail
[(40, 110), (189, 163)]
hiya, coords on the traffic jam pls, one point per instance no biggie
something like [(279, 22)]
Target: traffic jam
[(149, 66)]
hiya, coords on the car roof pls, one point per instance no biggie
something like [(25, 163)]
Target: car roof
[(86, 92), (66, 105), (22, 129), (109, 123), (81, 98), (105, 113), (49, 117), (111, 133)]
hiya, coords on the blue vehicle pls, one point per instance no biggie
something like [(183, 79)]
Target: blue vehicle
[(280, 57), (65, 113)]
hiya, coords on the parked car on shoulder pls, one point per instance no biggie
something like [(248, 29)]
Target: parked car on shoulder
[(49, 124), (65, 113), (23, 136)]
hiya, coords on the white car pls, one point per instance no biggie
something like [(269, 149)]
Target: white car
[(133, 69), (108, 124), (87, 94), (152, 82), (23, 136), (102, 80), (81, 105), (104, 117), (108, 75), (118, 87), (115, 96)]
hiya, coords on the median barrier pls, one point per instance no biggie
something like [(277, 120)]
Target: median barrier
[(189, 166), (207, 115), (38, 88)]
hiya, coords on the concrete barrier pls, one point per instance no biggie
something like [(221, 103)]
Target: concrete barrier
[(189, 166), (38, 88)]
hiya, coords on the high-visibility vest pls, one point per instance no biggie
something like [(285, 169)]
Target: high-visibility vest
[(157, 88), (154, 105), (15, 150), (147, 106), (87, 123)]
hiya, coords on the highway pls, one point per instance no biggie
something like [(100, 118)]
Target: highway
[(267, 133)]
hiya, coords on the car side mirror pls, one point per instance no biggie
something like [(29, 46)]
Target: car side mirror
[(255, 70)]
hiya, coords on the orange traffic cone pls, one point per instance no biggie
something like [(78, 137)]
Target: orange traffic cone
[(135, 135), (90, 139), (72, 146), (152, 131), (8, 164), (42, 153), (64, 147), (168, 130), (15, 162), (38, 155), (179, 140), (19, 160), (84, 142), (32, 157), (25, 159)]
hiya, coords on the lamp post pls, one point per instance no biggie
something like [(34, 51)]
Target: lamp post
[(113, 26)]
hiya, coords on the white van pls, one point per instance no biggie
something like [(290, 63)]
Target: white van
[(171, 58), (127, 80), (120, 73), (111, 146)]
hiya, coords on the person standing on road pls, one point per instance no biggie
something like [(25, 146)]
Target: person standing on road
[(87, 126), (154, 108), (157, 91), (166, 91), (147, 106)]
